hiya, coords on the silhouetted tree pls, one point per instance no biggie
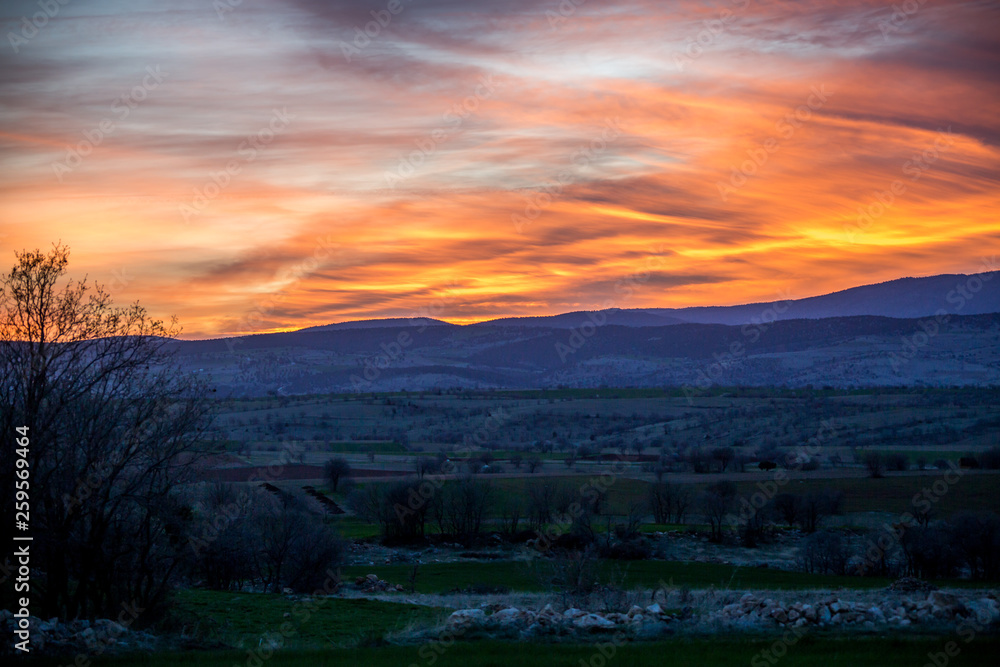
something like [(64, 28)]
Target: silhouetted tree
[(335, 470), (114, 428)]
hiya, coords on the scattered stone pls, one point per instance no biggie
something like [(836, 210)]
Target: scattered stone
[(466, 617), (911, 585), (593, 623)]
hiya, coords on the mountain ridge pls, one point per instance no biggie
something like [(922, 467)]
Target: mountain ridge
[(901, 298)]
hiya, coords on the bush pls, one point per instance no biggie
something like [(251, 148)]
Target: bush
[(929, 552), (824, 552), (990, 459), (335, 470), (875, 463), (897, 462), (637, 548)]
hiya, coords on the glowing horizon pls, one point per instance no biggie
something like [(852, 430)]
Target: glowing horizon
[(261, 167)]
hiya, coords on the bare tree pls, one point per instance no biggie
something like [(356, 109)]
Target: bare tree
[(114, 428), (816, 506), (335, 470), (875, 463), (716, 502), (724, 456), (789, 507)]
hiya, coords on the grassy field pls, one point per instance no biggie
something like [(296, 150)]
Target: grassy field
[(243, 619), (365, 446), (974, 491), (354, 528), (737, 417), (807, 651), (520, 576)]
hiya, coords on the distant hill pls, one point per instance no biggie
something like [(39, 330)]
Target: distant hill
[(382, 324), (901, 298), (613, 316), (876, 335)]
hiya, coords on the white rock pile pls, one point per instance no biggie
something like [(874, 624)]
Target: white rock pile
[(372, 584), (753, 610), (637, 621), (56, 637)]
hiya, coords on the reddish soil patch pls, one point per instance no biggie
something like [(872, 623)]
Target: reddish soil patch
[(286, 472)]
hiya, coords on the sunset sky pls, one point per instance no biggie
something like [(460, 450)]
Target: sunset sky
[(264, 165)]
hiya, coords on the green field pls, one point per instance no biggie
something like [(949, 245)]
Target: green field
[(242, 619), (974, 491), (522, 576), (365, 446), (807, 651)]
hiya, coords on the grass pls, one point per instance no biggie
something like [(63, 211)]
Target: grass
[(520, 576), (353, 528), (808, 651), (365, 446), (895, 494), (243, 619)]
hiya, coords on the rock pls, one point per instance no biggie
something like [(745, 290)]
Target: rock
[(509, 616), (945, 605), (985, 610), (779, 615), (793, 614), (910, 585), (88, 637), (634, 610), (549, 616), (654, 609), (875, 614), (810, 614), (467, 617), (593, 623), (824, 614), (573, 612)]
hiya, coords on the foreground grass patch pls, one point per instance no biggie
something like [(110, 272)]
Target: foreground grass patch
[(807, 652), (247, 619), (522, 576)]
